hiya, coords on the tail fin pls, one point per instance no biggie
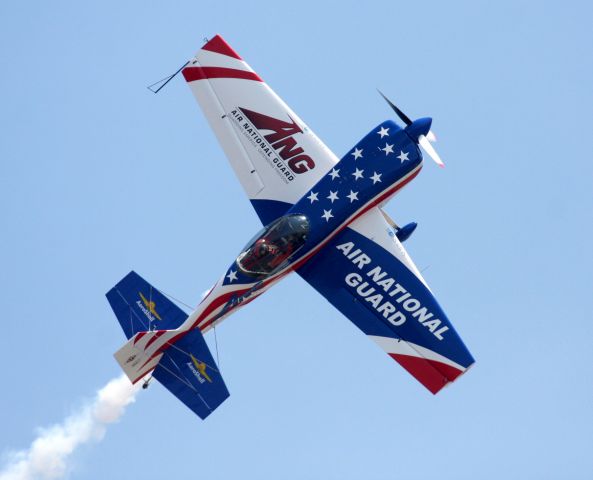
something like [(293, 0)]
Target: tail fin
[(139, 306), (133, 357), (184, 365)]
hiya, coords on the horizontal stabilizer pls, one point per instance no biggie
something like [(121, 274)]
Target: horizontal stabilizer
[(139, 306), (189, 372), (178, 359)]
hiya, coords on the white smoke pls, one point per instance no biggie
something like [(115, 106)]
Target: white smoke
[(49, 455)]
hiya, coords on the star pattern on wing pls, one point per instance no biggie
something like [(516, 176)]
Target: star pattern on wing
[(363, 174), (352, 196), (327, 214), (383, 132), (403, 156), (232, 275), (333, 196), (376, 177), (387, 149), (357, 153), (358, 174)]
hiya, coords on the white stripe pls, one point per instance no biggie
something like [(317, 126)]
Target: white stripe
[(141, 344), (207, 58), (149, 367), (217, 310), (401, 347)]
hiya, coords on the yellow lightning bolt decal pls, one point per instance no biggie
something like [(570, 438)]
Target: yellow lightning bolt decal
[(150, 305), (200, 367)]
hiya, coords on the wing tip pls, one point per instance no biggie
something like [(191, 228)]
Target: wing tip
[(217, 44), (433, 375)]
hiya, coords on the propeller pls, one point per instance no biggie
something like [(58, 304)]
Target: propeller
[(428, 148), (423, 140)]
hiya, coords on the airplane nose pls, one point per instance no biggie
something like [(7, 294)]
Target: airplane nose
[(418, 128)]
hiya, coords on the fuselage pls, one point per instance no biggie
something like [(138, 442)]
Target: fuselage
[(365, 177)]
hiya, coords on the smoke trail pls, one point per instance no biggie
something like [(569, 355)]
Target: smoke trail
[(49, 455)]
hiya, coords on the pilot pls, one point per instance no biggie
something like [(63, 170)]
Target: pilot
[(282, 253), (261, 248), (259, 255)]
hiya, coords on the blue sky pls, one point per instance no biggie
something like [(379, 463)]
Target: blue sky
[(99, 176)]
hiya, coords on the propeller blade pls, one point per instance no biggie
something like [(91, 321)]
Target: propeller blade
[(424, 141), (404, 118), (425, 144)]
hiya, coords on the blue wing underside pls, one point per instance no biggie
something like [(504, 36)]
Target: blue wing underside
[(431, 351)]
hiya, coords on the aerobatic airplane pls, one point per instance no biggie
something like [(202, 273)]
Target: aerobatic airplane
[(323, 220)]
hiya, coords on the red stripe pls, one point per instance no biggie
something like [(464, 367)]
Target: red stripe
[(139, 336), (192, 74), (422, 370), (143, 365), (218, 301), (447, 370), (430, 373), (154, 338), (243, 303), (218, 45)]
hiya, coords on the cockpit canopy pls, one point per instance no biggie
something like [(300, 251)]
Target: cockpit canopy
[(273, 246)]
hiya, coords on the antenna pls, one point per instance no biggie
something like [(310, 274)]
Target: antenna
[(165, 80)]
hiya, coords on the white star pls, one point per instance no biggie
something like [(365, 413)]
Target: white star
[(327, 214), (403, 156), (358, 174), (334, 173), (353, 196), (384, 131), (388, 149), (376, 177), (333, 196), (232, 275), (357, 153), (313, 197)]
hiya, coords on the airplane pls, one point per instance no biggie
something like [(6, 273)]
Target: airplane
[(323, 219)]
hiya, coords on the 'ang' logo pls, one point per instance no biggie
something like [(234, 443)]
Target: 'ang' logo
[(281, 139), (149, 308)]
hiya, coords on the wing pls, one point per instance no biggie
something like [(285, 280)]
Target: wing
[(272, 151), (366, 273)]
